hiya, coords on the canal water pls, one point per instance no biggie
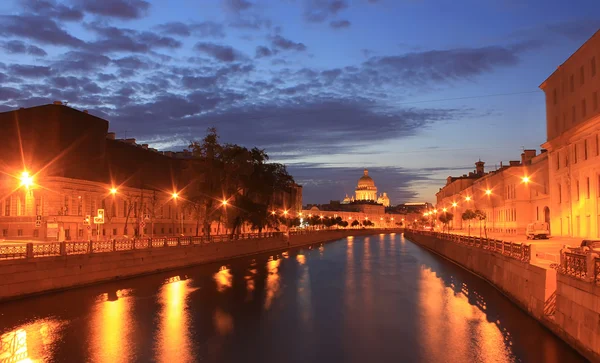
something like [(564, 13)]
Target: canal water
[(360, 299)]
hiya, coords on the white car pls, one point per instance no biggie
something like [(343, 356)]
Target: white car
[(538, 230)]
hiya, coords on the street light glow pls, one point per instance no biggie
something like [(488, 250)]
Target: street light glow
[(468, 199), (525, 179), (488, 192), (224, 202), (435, 211), (454, 204), (444, 210), (26, 179), (175, 195), (285, 212), (273, 213), (113, 191)]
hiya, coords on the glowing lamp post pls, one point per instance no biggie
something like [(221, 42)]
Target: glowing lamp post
[(26, 180)]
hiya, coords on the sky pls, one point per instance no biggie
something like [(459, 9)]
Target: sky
[(413, 90)]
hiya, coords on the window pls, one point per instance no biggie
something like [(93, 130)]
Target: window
[(79, 205), (38, 205), (125, 230), (572, 83), (103, 232), (583, 108), (20, 232), (593, 66), (162, 230), (66, 206), (93, 208), (5, 233), (114, 231), (36, 233), (554, 97), (113, 209), (80, 233), (587, 187), (67, 234), (7, 207), (124, 208), (557, 160), (584, 149), (559, 194), (581, 75), (145, 230), (577, 189), (575, 154), (170, 230), (597, 146), (21, 205)]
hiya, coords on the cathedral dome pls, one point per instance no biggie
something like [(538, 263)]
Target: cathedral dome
[(365, 181)]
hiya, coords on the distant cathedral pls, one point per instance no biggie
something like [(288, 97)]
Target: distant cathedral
[(367, 191)]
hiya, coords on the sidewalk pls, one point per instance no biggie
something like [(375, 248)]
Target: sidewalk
[(547, 250)]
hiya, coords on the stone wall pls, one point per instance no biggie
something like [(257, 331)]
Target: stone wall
[(23, 277), (578, 312)]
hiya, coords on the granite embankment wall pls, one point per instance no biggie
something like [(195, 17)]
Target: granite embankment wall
[(29, 276), (566, 305)]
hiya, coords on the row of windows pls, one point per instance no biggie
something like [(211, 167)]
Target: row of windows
[(582, 76), (575, 116), (506, 215), (510, 192), (578, 187), (579, 152)]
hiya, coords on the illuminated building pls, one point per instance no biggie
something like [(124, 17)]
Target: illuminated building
[(573, 128), (61, 165)]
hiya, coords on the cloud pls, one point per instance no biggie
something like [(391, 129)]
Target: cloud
[(317, 11), (280, 42), (51, 9), (113, 39), (28, 71), (81, 61), (207, 29), (237, 6), (223, 53), (262, 51), (38, 28), (339, 24), (122, 9), (18, 47)]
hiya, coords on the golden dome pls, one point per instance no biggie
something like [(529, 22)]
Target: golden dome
[(365, 181)]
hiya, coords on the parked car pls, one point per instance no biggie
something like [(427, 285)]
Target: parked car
[(538, 230), (590, 244)]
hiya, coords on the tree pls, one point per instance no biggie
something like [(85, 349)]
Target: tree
[(468, 215), (367, 223), (445, 218), (479, 215), (355, 223)]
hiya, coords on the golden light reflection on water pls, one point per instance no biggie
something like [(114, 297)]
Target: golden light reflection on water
[(272, 284), (223, 322), (453, 329), (173, 342), (223, 278), (111, 326), (304, 294), (30, 343), (250, 278)]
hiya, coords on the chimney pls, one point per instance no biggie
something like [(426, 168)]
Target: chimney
[(168, 153), (479, 170), (58, 103), (111, 136), (130, 141), (543, 151), (514, 163), (145, 146), (526, 156)]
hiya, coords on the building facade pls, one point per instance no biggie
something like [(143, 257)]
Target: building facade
[(61, 168), (510, 198), (573, 129)]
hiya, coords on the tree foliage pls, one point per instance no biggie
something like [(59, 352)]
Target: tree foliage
[(241, 176)]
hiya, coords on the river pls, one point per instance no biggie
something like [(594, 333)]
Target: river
[(378, 299)]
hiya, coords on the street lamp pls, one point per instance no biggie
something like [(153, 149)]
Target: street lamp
[(26, 179), (468, 198), (113, 191), (444, 210), (224, 202), (454, 204), (525, 179), (488, 192), (175, 195)]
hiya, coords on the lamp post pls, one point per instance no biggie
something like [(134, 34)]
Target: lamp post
[(175, 195)]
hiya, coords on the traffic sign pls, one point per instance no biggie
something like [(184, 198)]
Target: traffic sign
[(87, 220), (147, 216), (38, 224), (38, 218), (99, 219)]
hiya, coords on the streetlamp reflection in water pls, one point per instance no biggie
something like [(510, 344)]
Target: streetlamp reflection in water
[(272, 283), (223, 278), (111, 327), (30, 342)]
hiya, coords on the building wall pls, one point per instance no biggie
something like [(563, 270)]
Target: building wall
[(380, 220), (573, 129), (512, 204)]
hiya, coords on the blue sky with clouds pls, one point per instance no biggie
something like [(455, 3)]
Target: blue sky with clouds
[(414, 90)]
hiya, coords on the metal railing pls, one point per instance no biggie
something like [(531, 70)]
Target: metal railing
[(517, 251), (35, 250), (574, 264)]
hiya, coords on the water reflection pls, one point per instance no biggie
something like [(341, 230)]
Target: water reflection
[(30, 342), (173, 343), (272, 283), (223, 278), (250, 278), (304, 293), (223, 322), (111, 326), (452, 328)]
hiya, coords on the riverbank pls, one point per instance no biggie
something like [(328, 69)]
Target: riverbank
[(536, 289), (23, 277)]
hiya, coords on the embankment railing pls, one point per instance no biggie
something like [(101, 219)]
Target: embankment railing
[(517, 251), (35, 250)]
